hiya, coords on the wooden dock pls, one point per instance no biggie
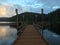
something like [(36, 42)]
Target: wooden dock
[(30, 36)]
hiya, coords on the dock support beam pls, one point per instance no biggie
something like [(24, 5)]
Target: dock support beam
[(17, 17), (42, 20)]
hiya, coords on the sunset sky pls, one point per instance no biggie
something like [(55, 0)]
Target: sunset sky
[(7, 7)]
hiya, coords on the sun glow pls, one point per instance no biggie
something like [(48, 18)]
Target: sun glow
[(3, 11), (3, 31)]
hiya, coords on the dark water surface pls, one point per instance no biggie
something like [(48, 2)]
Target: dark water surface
[(52, 38)]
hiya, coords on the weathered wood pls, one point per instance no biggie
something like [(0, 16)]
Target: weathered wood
[(30, 36)]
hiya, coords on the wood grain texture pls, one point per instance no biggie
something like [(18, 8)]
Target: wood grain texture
[(30, 36)]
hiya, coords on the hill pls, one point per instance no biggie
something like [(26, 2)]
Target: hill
[(4, 19), (28, 17)]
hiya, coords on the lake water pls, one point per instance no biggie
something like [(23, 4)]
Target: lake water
[(8, 35), (50, 37)]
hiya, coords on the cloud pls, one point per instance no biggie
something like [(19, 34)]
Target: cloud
[(3, 11), (56, 7), (28, 6), (6, 10), (3, 0)]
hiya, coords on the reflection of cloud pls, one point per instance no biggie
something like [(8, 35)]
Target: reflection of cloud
[(7, 35), (3, 32)]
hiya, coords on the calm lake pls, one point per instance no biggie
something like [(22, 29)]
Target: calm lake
[(50, 37), (8, 35)]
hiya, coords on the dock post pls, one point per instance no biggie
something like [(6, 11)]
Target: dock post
[(42, 20), (17, 17), (36, 18), (23, 19)]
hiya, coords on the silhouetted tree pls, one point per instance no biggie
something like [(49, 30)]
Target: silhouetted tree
[(55, 21)]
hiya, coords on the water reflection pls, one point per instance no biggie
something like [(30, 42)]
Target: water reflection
[(3, 31), (7, 35), (52, 38), (7, 22)]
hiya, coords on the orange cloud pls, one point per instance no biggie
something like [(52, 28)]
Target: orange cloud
[(3, 12), (7, 10)]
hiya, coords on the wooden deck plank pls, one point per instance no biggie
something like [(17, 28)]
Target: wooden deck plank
[(30, 36)]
